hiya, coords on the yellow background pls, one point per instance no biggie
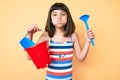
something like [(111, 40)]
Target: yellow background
[(103, 60)]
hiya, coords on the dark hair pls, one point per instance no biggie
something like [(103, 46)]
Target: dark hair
[(69, 27)]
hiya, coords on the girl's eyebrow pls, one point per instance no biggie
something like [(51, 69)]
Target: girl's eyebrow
[(54, 12)]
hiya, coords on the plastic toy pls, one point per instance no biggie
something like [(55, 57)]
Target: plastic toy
[(85, 18), (38, 52)]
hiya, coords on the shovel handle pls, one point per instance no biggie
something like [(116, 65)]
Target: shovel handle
[(87, 28)]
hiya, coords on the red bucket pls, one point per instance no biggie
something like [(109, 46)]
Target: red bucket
[(39, 54)]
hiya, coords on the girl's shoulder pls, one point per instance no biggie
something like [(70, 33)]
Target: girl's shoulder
[(74, 36), (43, 37)]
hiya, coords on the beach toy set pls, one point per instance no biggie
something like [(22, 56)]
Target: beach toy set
[(38, 52)]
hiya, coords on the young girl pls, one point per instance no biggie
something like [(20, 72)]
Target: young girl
[(62, 41)]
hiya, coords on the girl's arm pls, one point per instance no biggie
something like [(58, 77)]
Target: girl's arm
[(82, 53), (28, 57), (30, 32)]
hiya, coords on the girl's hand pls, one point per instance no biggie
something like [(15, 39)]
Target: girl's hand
[(33, 29), (89, 34)]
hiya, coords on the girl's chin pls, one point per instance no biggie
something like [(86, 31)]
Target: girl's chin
[(59, 25)]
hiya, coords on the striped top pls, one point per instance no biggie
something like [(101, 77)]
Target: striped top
[(61, 61)]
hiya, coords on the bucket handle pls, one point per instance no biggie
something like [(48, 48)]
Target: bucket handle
[(39, 30)]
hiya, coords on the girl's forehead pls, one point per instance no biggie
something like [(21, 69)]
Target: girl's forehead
[(55, 11)]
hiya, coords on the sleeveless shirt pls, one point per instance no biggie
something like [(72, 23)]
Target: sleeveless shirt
[(61, 60)]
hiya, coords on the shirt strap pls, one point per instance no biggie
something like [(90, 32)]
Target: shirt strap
[(71, 37)]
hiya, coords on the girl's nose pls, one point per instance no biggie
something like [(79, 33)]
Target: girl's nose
[(59, 16)]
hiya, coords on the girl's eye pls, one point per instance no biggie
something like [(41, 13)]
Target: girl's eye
[(54, 14), (63, 14)]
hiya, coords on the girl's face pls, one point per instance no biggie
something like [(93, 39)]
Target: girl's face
[(59, 18)]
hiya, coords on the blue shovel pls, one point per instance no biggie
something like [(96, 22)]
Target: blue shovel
[(85, 18), (26, 42)]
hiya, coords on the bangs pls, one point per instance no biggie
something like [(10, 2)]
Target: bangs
[(59, 6)]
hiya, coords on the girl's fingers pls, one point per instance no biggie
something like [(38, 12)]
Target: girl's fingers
[(33, 28), (37, 28), (90, 34)]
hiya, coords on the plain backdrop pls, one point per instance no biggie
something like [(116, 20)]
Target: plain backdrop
[(102, 61)]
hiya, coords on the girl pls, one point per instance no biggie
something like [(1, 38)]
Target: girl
[(62, 41)]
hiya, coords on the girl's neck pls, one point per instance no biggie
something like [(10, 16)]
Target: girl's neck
[(59, 31)]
